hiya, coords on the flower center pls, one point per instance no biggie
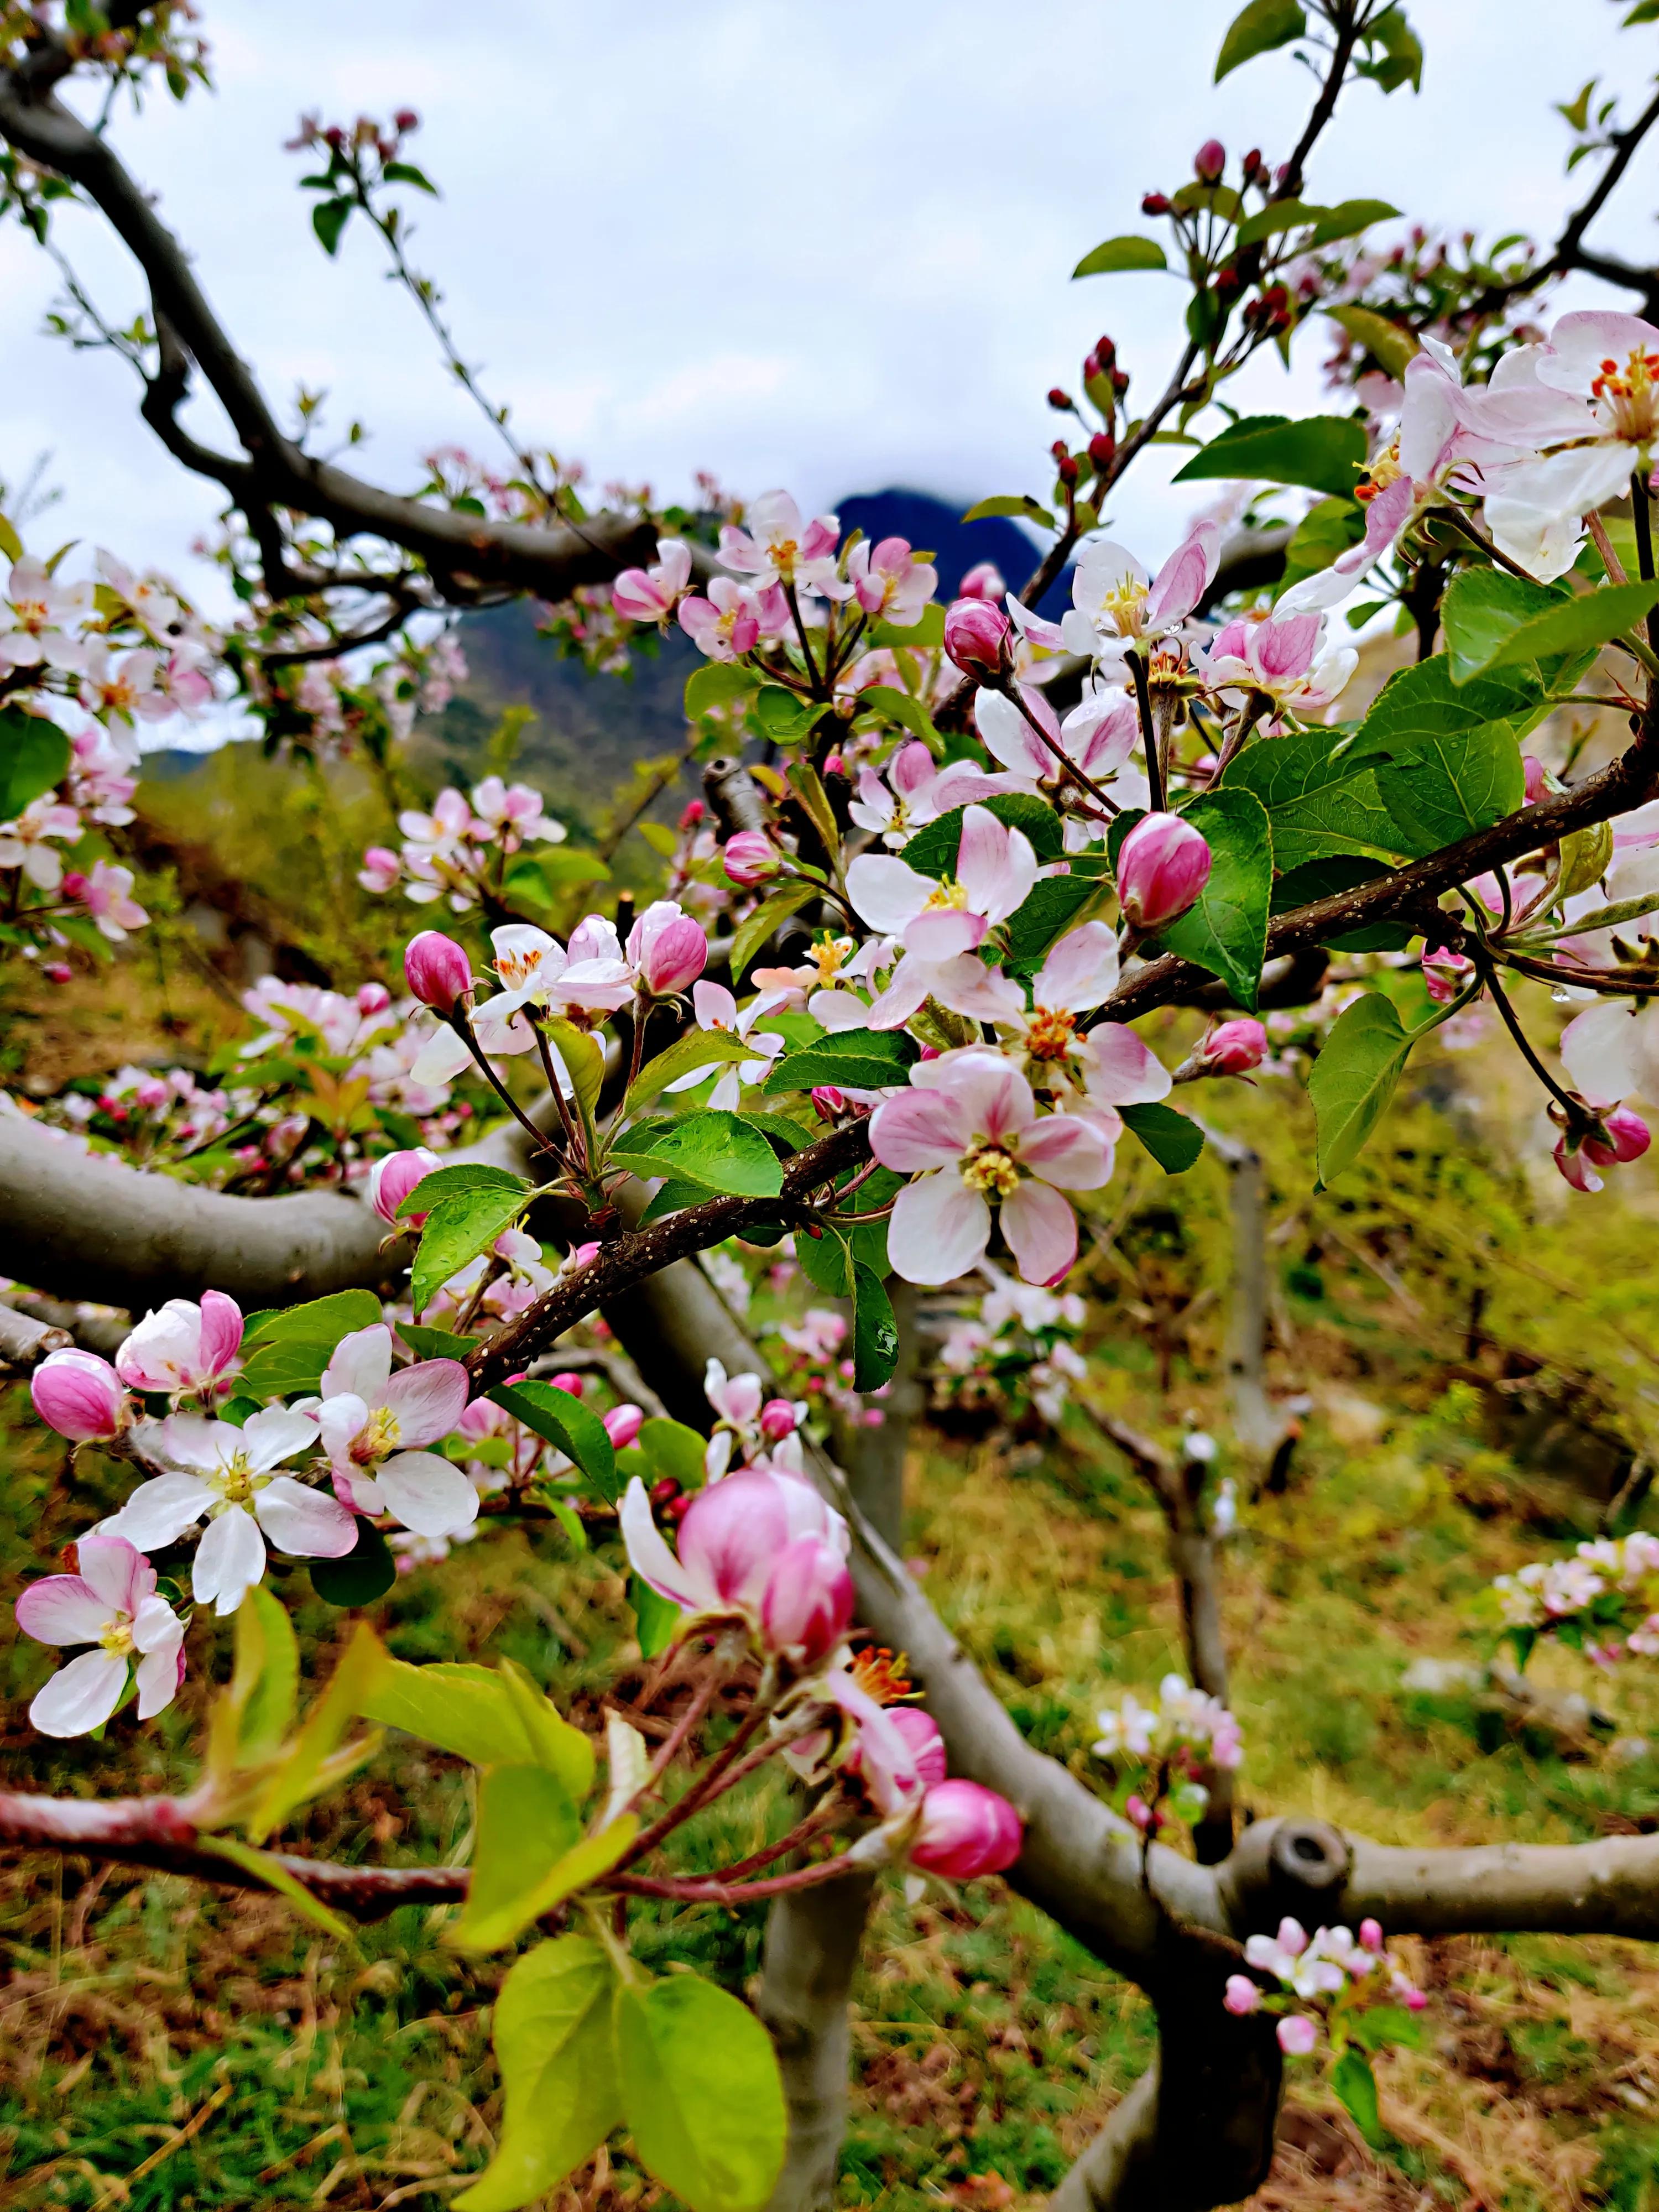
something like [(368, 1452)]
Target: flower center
[(992, 1170), (515, 968), (949, 894), (1383, 471), (377, 1437), (1049, 1033), (784, 552), (1124, 606), (116, 1636), (828, 953), (1633, 394), (236, 1482)]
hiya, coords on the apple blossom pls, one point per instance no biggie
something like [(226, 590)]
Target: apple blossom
[(984, 581), (977, 638), (182, 1349), (807, 1607), (372, 1422), (732, 620), (391, 1179), (940, 921), (778, 547), (1242, 1997), (80, 1395), (24, 841), (39, 610), (1098, 736), (111, 1602), (716, 1009), (1280, 658), (1117, 608), (380, 870), (651, 594), (1297, 2034), (1162, 866), (889, 584), (223, 1474), (965, 1831), (737, 1534), (623, 1425), (1231, 1048), (666, 948), (968, 1131), (437, 970), (106, 893)]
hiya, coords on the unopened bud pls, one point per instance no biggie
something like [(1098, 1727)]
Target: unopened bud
[(750, 857), (828, 1101), (1154, 203), (1627, 1138), (623, 1425), (1162, 866), (1120, 381), (976, 638), (437, 970), (694, 814), (80, 1395), (1210, 160), (777, 1420), (1234, 1048), (566, 1380), (1067, 470), (1103, 450), (1058, 399)]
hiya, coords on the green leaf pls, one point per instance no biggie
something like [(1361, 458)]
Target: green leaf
[(1392, 347), (285, 1352), (672, 1448), (1353, 1079), (875, 1331), (1349, 217), (1378, 2025), (1325, 532), (899, 706), (526, 1823), (1227, 931), (308, 1766), (577, 1868), (748, 939), (1277, 216), (783, 718), (1581, 624), (696, 1048), (1258, 29), (1401, 60), (10, 544), (479, 1715), (266, 1867), (1481, 611), (1324, 451), (575, 1428), (265, 1680), (555, 2049), (1107, 258), (582, 1057), (1009, 503), (456, 1230), (328, 219), (716, 685), (655, 1618), (405, 173), (702, 2093), (1449, 787), (711, 1147), (456, 1182), (1053, 904), (933, 851), (435, 1343), (927, 635), (34, 756), (849, 1060), (1423, 701), (1354, 2082), (360, 1576), (1173, 1141), (825, 1261)]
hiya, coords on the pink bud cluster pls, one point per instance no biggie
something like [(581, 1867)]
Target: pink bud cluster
[(961, 1831), (1329, 1972)]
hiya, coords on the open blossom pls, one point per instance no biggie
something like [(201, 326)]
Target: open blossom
[(1283, 659), (889, 584), (513, 815), (36, 611), (110, 1603), (123, 689), (106, 891), (779, 547), (915, 791), (717, 1009), (223, 1474), (182, 1349), (734, 619), (372, 1423), (1116, 607), (742, 1556), (589, 976), (652, 594), (24, 841), (969, 1131), (940, 921), (1098, 736)]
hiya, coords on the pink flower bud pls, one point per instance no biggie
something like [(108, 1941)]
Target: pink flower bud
[(380, 870), (56, 971), (984, 581), (1210, 160), (1234, 1048), (976, 638), (1371, 1935), (695, 811), (437, 969), (1627, 1138), (565, 1380), (1139, 1814), (828, 1101), (965, 1831), (1298, 2035), (580, 1256), (622, 1423), (1533, 769), (1445, 974), (373, 998), (80, 1395), (391, 1181), (668, 950), (1413, 1999), (75, 885), (834, 764), (777, 1420), (1575, 1168), (749, 857), (729, 1537), (1162, 866), (806, 1607), (1242, 1997)]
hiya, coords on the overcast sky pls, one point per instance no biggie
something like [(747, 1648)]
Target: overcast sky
[(828, 248)]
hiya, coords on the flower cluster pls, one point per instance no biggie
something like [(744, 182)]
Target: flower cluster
[(459, 851), (818, 1366), (1020, 1351), (1338, 1978), (1186, 1736), (1607, 1590)]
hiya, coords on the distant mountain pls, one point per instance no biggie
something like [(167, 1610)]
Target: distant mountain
[(957, 546)]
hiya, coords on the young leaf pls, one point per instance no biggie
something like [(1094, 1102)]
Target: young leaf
[(575, 1429), (303, 1772), (697, 1048), (1592, 619), (266, 1676), (748, 939), (1004, 502), (35, 756), (1111, 255), (1173, 1141), (1349, 217), (331, 1317), (328, 219), (477, 1714), (783, 718), (456, 1230), (655, 1618), (435, 1343), (1390, 345), (1258, 29), (526, 1823), (1324, 451), (555, 2049), (1227, 931), (702, 2093), (715, 1148), (875, 1332), (458, 1181), (899, 706), (267, 1867), (360, 1576), (582, 1057), (851, 1059), (1353, 1079), (716, 685), (1354, 2082), (1481, 611)]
